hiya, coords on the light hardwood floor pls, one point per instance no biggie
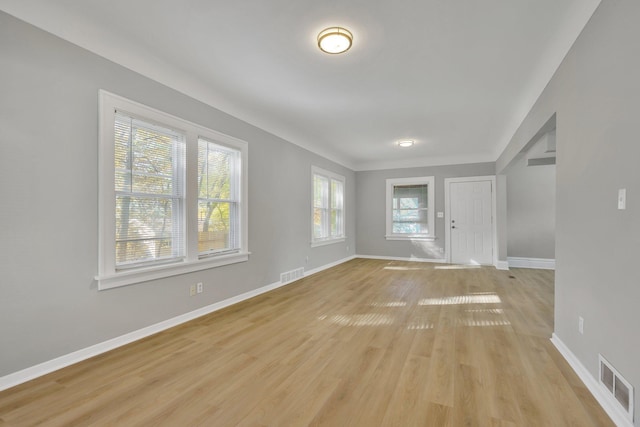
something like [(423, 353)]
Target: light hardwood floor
[(367, 343)]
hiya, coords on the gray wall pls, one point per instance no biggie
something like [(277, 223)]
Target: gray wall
[(596, 93), (370, 205), (49, 304), (531, 210)]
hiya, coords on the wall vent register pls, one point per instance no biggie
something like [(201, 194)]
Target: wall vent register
[(292, 275), (620, 390)]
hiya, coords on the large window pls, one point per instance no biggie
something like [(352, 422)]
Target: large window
[(410, 208), (328, 207), (157, 218)]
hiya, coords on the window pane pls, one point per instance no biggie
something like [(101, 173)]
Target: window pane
[(320, 191), (409, 210), (337, 213), (216, 231), (337, 220), (328, 206), (337, 194), (408, 203), (145, 229), (414, 195), (320, 203), (218, 187), (148, 161), (123, 153), (146, 156), (151, 162), (407, 227), (214, 170), (320, 228)]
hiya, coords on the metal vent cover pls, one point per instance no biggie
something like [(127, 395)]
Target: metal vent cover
[(292, 275), (620, 389)]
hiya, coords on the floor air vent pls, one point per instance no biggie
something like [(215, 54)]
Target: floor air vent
[(290, 276), (619, 388)]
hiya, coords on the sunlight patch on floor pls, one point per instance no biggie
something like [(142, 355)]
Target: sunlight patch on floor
[(389, 304), (420, 326), (470, 322), (398, 268), (369, 319), (462, 299), (486, 310)]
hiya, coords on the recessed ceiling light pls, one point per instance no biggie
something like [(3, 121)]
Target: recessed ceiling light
[(405, 143), (335, 40)]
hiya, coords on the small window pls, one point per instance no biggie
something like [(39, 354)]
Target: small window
[(409, 208), (327, 207)]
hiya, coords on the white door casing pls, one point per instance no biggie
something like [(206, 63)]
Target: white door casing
[(469, 221)]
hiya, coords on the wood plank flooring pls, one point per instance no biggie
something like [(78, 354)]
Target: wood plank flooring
[(366, 343)]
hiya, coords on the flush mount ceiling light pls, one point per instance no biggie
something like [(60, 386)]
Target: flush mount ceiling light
[(405, 143), (335, 40)]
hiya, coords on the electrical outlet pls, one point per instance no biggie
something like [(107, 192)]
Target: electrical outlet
[(441, 250), (347, 248), (192, 290), (622, 198), (199, 287), (580, 325), (306, 260)]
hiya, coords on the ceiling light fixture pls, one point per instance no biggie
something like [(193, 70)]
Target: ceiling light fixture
[(335, 40), (405, 143)]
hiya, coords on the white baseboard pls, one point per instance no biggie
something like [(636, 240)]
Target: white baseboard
[(539, 263), (617, 414), (502, 265), (393, 258), (49, 366), (330, 265)]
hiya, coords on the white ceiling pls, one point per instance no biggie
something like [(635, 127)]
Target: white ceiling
[(458, 76)]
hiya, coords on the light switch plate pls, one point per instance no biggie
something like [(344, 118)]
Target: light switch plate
[(440, 214), (622, 198)]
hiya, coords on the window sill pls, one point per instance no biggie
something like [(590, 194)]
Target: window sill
[(410, 237), (130, 277), (325, 242)]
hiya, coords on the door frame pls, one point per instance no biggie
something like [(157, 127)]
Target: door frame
[(447, 213)]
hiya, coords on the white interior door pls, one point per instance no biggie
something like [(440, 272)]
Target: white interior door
[(471, 222)]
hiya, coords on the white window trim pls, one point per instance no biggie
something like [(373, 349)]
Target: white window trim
[(391, 182), (108, 277), (331, 175), (324, 242)]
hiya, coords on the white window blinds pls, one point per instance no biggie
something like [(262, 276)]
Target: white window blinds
[(149, 189), (410, 209), (172, 195)]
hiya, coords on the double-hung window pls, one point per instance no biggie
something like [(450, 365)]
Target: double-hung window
[(218, 198), (409, 208), (328, 214), (172, 195), (149, 194)]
